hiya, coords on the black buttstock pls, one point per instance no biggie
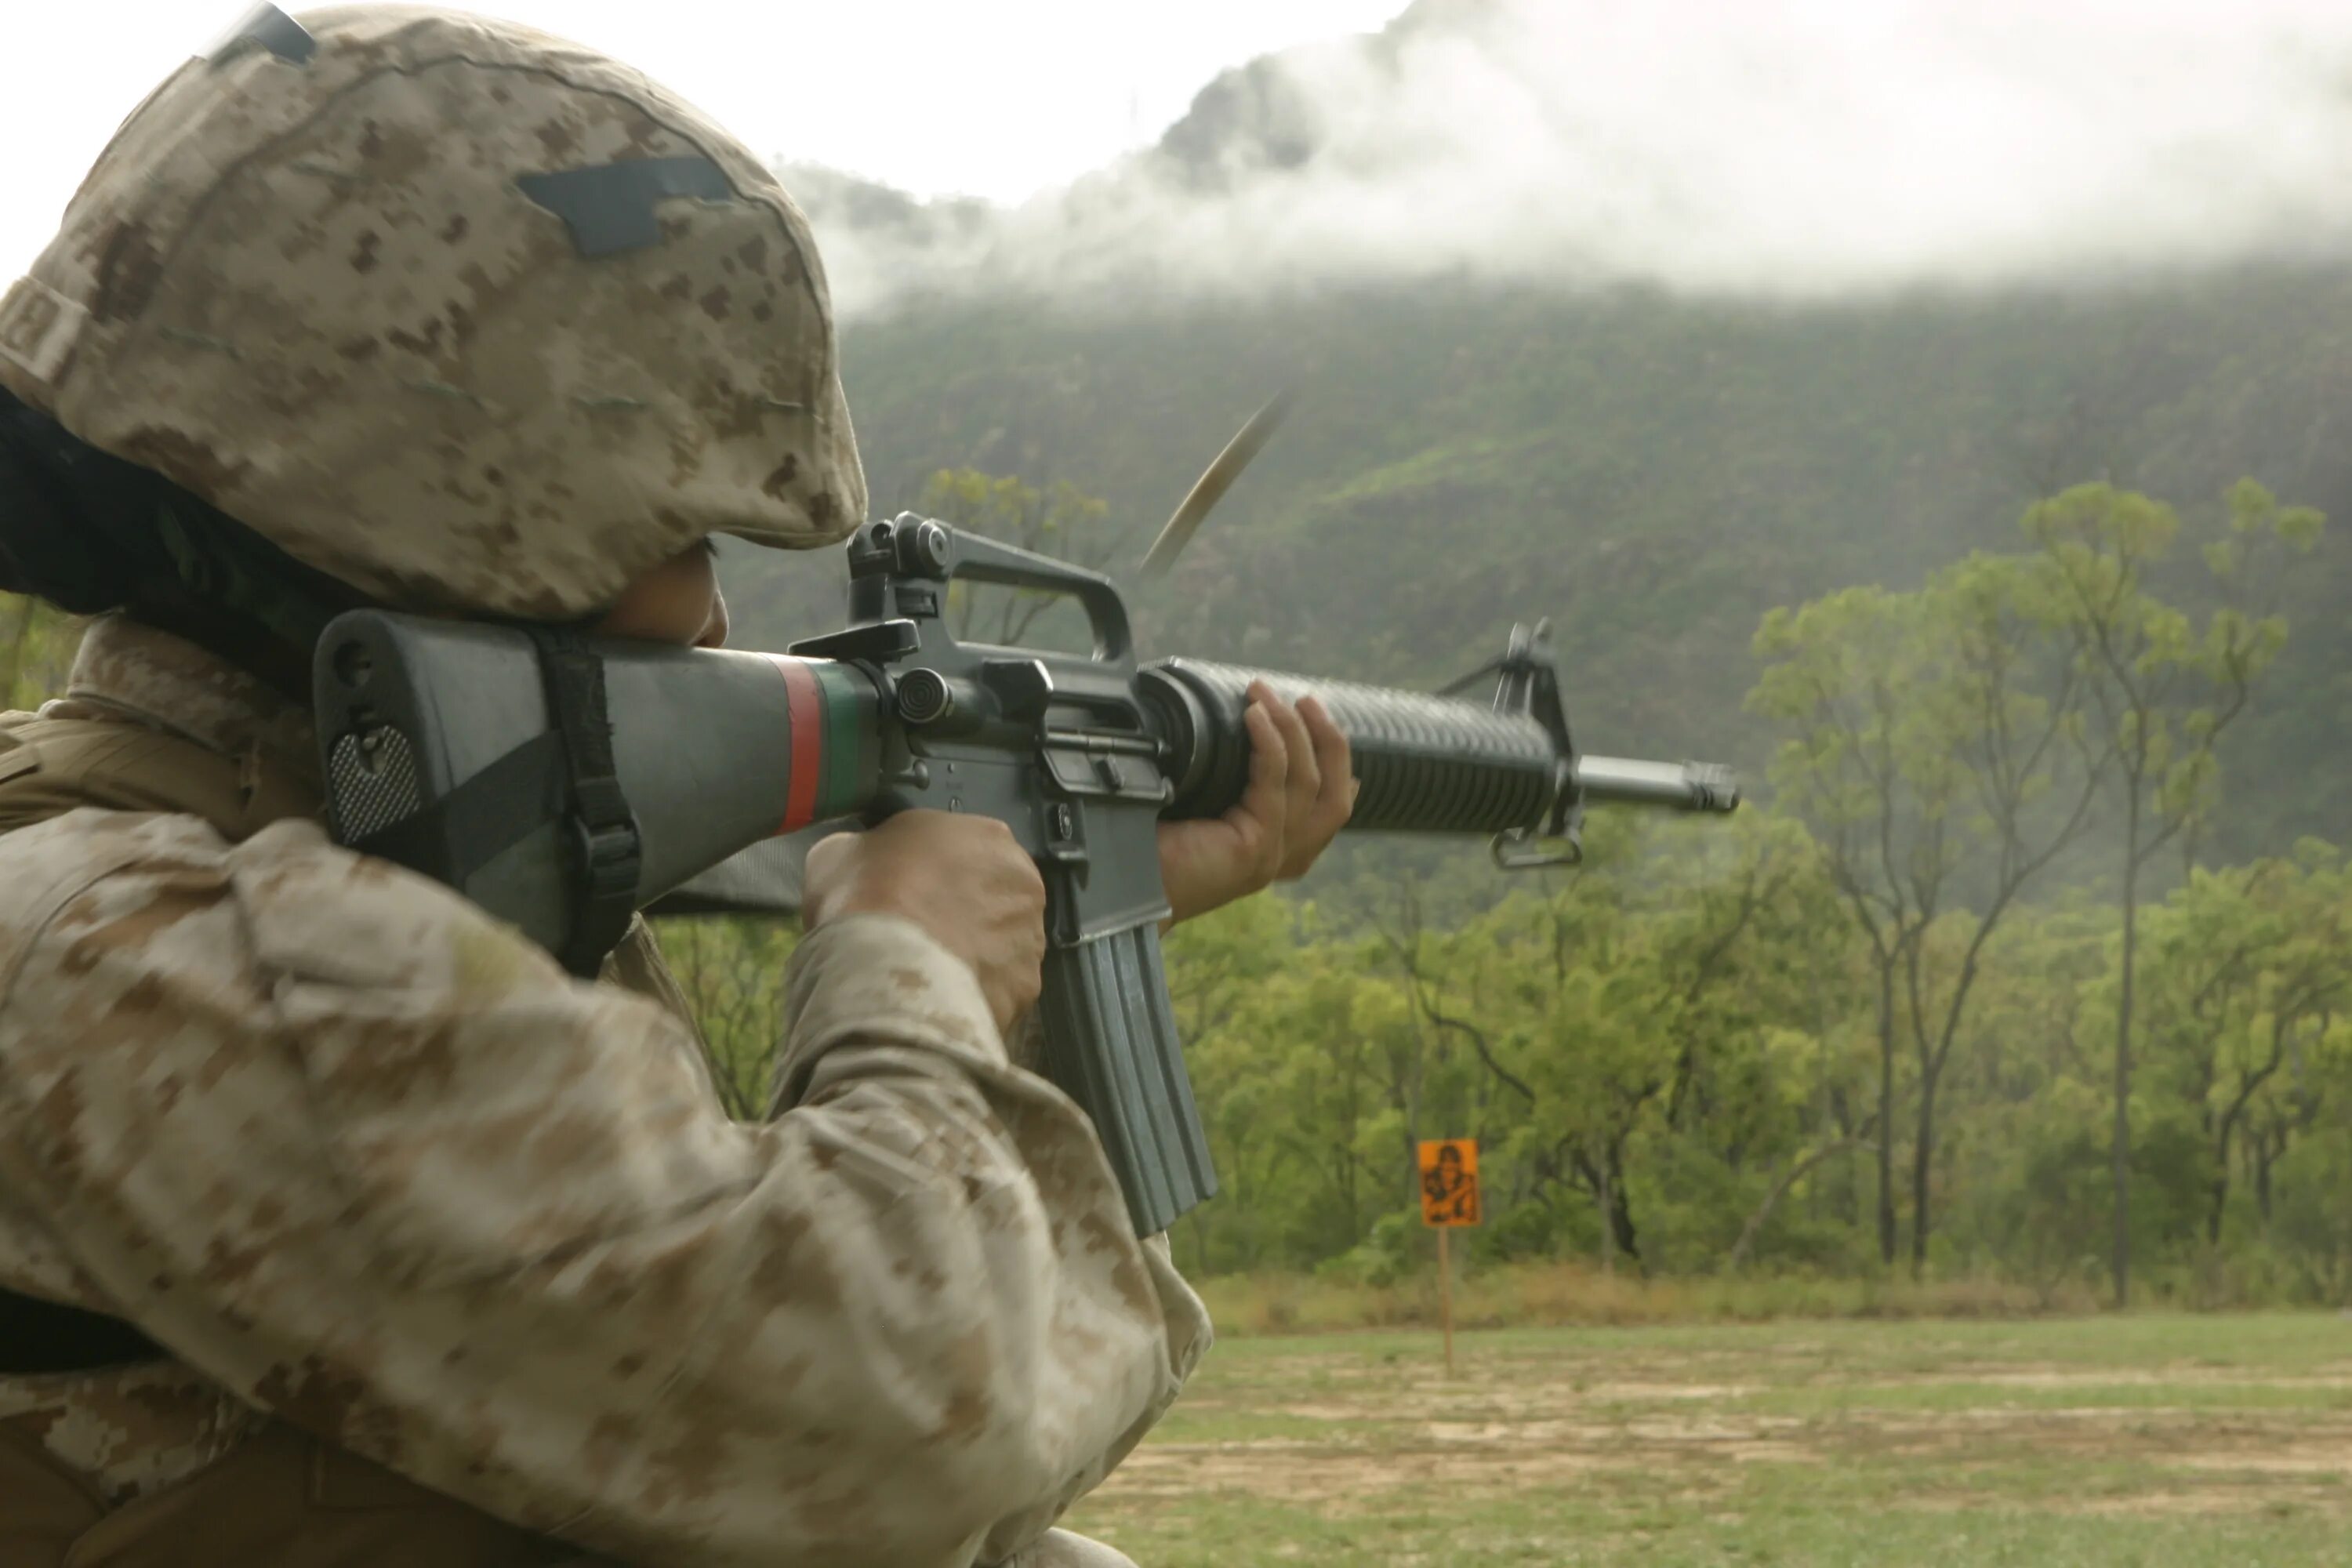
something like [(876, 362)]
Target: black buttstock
[(435, 736)]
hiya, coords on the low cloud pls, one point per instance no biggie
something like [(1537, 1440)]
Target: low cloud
[(1792, 151)]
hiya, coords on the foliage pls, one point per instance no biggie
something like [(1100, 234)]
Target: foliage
[(1655, 472), (2160, 693), (731, 969), (35, 648), (1703, 1057), (1932, 744), (1762, 1052), (1672, 1073)]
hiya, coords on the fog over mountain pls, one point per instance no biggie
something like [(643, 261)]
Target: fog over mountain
[(1795, 150), (1651, 316)]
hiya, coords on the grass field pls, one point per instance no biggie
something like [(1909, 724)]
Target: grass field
[(2169, 1441)]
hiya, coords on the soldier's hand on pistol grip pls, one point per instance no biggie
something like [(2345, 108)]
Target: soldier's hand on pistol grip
[(965, 881)]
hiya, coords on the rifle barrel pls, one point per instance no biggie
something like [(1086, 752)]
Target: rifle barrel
[(1682, 786), (1426, 764)]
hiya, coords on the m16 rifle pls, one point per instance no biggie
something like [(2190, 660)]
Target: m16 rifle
[(561, 783)]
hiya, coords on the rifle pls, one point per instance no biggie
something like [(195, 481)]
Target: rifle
[(561, 782)]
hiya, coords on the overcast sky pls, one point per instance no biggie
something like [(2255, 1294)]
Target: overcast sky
[(992, 99), (1776, 147)]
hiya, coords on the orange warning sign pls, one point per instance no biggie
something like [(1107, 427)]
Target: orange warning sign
[(1449, 1181)]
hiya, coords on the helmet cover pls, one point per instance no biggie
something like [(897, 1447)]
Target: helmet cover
[(470, 317)]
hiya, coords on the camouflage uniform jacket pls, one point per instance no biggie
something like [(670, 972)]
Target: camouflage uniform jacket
[(368, 1162)]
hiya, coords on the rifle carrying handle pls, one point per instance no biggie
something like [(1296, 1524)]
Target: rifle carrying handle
[(978, 559), (1111, 1044)]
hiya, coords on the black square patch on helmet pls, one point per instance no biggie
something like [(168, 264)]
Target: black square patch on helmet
[(609, 207)]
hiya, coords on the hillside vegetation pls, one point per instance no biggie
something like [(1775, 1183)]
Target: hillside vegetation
[(1509, 435), (1653, 474), (1916, 1016), (1685, 1054)]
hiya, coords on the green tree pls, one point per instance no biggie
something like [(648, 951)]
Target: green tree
[(2162, 692), (2300, 1148), (1930, 750), (731, 969), (1622, 1012), (36, 644), (2247, 969), (1218, 967)]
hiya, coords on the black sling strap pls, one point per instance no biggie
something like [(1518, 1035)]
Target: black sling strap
[(606, 849), (565, 776)]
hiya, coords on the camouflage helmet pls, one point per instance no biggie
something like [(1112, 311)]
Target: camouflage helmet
[(464, 315)]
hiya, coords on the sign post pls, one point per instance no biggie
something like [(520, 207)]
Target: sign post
[(1449, 1197)]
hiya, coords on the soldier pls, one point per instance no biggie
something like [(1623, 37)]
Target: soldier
[(337, 1224)]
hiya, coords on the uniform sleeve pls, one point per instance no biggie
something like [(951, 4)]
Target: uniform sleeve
[(373, 1160)]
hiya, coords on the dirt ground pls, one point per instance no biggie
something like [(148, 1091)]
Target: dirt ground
[(2210, 1423), (1533, 1435)]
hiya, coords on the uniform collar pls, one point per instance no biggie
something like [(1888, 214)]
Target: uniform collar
[(128, 671)]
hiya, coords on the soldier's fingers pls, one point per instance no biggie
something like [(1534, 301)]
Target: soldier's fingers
[(1299, 778), (1310, 832), (1304, 779), (1257, 817)]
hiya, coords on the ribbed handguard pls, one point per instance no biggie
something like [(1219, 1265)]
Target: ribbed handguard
[(1427, 765)]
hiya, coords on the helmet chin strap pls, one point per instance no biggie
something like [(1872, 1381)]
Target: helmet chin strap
[(237, 595), (93, 532), (221, 562)]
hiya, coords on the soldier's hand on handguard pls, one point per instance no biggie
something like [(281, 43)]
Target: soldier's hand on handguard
[(1302, 786), (963, 879)]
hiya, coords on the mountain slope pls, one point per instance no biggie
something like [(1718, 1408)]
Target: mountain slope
[(1651, 469), (1651, 473)]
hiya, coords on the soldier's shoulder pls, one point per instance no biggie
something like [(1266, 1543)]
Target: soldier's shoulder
[(46, 862), (320, 913), (105, 893)]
